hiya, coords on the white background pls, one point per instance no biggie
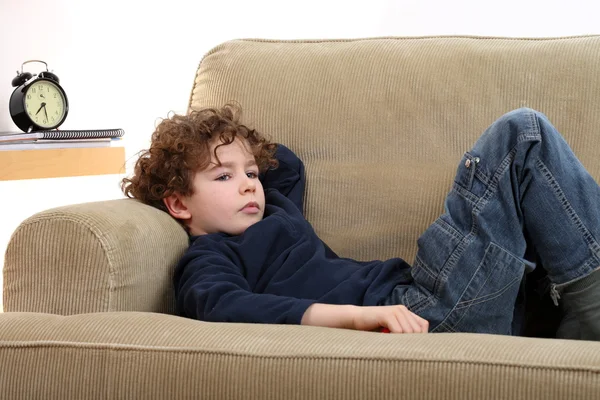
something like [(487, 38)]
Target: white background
[(125, 63)]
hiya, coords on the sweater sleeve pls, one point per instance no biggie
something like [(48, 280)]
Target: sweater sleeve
[(288, 178), (210, 287)]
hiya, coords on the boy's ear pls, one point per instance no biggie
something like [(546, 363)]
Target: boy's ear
[(177, 207)]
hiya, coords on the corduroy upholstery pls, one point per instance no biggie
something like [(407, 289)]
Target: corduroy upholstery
[(131, 355), (105, 256), (381, 124)]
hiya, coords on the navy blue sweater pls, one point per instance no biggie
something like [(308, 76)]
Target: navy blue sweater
[(278, 267)]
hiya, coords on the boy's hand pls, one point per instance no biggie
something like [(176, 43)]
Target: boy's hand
[(398, 319)]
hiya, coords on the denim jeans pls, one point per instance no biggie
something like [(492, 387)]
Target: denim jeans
[(521, 199)]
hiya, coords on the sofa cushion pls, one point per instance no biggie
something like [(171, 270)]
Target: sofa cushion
[(155, 356)]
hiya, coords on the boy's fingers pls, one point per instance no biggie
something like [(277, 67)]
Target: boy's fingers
[(394, 326), (424, 323), (410, 320), (405, 323), (416, 327), (420, 326), (402, 320)]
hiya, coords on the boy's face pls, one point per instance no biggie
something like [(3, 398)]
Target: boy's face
[(227, 198)]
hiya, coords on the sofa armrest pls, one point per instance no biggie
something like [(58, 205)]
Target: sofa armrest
[(115, 255), (156, 356)]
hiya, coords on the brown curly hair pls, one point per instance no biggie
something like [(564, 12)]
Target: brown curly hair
[(180, 147)]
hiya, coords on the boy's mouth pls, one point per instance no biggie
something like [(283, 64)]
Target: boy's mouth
[(250, 208)]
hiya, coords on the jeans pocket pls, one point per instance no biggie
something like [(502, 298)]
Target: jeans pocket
[(488, 300), (435, 248), (470, 175)]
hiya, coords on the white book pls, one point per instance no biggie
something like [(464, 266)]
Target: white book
[(57, 144)]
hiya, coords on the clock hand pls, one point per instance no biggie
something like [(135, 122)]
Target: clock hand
[(45, 112), (38, 111)]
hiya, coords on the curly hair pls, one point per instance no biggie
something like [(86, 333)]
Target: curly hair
[(180, 147)]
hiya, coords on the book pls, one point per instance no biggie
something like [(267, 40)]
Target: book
[(61, 135), (57, 144)]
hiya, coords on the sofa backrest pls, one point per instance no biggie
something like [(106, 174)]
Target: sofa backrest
[(382, 123)]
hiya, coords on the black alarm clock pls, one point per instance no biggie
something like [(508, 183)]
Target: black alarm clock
[(37, 104)]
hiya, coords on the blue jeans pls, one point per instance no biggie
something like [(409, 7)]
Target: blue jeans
[(520, 197)]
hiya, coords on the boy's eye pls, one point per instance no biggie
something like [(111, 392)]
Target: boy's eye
[(252, 175), (223, 177)]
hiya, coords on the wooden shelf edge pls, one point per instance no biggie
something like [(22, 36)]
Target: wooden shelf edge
[(55, 163)]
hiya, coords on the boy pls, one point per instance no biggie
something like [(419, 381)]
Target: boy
[(254, 258)]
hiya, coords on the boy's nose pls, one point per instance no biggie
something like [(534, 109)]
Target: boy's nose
[(248, 185)]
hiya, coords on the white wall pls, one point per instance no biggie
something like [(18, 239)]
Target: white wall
[(126, 63)]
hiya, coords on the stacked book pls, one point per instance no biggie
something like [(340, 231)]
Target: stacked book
[(59, 139)]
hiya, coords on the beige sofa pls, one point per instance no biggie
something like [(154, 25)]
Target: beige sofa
[(381, 124)]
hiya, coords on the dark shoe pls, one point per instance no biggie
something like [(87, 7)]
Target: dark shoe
[(580, 301)]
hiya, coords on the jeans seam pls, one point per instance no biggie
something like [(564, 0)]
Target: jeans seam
[(591, 264), (483, 299), (425, 268), (449, 229), (445, 327), (568, 208), (438, 279), (493, 186), (419, 305), (535, 126), (479, 267), (467, 195), (482, 177)]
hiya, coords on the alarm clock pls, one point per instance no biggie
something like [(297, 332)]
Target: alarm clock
[(37, 104)]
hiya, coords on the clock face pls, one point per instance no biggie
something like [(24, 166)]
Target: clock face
[(45, 103)]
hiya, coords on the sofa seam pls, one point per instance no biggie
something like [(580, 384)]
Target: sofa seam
[(191, 96), (162, 349), (402, 38)]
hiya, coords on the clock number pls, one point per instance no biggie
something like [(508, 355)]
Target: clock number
[(44, 121), (32, 90), (55, 94), (28, 97)]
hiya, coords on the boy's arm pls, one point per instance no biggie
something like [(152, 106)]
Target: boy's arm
[(210, 287), (289, 178)]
